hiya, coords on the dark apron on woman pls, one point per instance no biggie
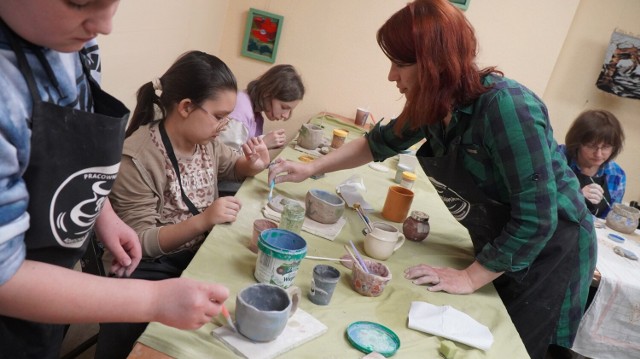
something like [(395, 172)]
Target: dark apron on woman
[(596, 209), (532, 296), (74, 160)]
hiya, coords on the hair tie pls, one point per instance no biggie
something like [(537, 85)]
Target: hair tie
[(157, 86)]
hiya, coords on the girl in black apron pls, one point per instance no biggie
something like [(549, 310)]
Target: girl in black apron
[(74, 160)]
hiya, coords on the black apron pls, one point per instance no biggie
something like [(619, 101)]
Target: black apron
[(532, 296), (600, 209), (74, 160)]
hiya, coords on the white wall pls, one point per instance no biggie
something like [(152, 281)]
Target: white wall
[(554, 47), (332, 43), (572, 86), (149, 35)]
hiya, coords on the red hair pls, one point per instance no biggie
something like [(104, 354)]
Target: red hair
[(437, 37)]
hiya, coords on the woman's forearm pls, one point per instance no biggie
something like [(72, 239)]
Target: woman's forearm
[(352, 154)]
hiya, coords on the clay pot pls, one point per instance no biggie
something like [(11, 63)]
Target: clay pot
[(370, 284), (310, 136), (323, 207), (416, 227), (623, 218)]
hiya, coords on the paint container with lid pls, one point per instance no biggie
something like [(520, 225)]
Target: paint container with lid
[(339, 137), (408, 179), (401, 168)]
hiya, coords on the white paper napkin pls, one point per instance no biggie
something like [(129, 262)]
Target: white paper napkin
[(450, 323)]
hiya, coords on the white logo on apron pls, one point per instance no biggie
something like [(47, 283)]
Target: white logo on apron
[(458, 206), (87, 190)]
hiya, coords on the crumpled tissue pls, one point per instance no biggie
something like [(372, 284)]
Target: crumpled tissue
[(350, 189)]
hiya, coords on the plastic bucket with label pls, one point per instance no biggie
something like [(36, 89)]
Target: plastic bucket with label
[(279, 255)]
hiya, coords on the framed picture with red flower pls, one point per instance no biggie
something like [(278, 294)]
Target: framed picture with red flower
[(262, 34)]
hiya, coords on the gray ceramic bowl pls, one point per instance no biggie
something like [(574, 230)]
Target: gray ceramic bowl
[(323, 206)]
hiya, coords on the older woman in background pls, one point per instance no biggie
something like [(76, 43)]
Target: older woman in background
[(593, 141)]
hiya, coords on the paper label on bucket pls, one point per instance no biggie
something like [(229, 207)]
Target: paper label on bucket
[(277, 266), (272, 270)]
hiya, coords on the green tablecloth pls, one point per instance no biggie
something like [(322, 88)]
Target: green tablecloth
[(224, 258)]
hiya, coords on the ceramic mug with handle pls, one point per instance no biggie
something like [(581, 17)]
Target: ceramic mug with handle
[(382, 241), (262, 310)]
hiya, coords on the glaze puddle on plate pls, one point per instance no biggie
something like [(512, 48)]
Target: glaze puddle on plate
[(372, 337)]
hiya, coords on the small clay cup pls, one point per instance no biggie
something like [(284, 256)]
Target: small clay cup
[(310, 136), (397, 204), (323, 207), (260, 225), (324, 281), (370, 284), (416, 227)]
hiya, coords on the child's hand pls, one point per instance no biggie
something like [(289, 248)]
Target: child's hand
[(223, 210), (275, 138), (256, 153)]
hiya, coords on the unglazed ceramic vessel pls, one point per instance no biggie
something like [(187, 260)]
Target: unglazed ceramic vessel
[(623, 218), (262, 310), (323, 207), (260, 225), (324, 281), (416, 227), (370, 284), (310, 136)]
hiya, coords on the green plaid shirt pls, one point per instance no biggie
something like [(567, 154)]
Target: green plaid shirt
[(509, 151)]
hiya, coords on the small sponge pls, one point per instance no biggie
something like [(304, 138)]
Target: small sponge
[(448, 349)]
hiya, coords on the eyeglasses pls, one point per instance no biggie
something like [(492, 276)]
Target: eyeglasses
[(595, 148), (222, 123)]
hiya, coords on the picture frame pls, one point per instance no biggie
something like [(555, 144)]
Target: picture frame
[(461, 4), (262, 35)]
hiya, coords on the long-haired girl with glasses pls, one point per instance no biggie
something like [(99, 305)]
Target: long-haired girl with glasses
[(167, 186), (593, 141)]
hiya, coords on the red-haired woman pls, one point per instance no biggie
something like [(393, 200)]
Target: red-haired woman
[(491, 155)]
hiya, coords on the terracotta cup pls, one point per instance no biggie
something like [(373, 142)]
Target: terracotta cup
[(361, 116), (396, 206), (260, 225)]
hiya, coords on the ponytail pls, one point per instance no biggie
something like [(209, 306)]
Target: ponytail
[(195, 75), (145, 111)]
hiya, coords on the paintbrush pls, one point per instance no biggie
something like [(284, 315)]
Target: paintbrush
[(363, 216), (227, 317), (328, 259), (603, 197), (354, 260), (273, 184), (359, 259)]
